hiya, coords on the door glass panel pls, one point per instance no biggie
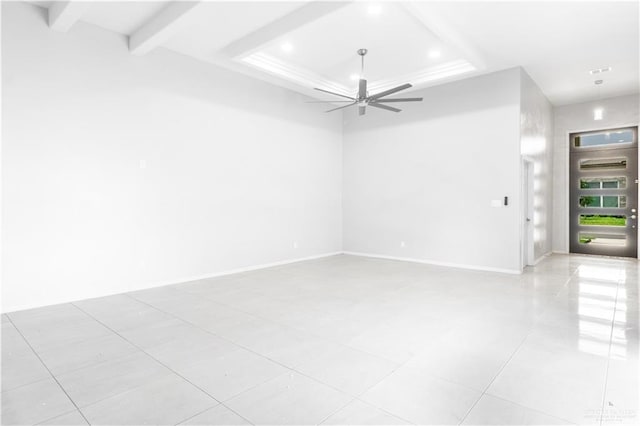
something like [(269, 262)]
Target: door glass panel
[(603, 220), (612, 201), (589, 201), (604, 182), (607, 201), (604, 138), (603, 164), (612, 240)]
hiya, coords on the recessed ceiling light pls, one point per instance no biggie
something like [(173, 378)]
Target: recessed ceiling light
[(374, 9), (286, 47), (599, 70), (433, 54), (598, 113)]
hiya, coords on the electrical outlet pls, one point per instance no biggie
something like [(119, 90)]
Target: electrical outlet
[(143, 164)]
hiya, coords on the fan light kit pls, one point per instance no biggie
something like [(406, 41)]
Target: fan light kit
[(362, 98)]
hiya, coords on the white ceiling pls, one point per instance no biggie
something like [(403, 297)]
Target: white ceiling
[(556, 42)]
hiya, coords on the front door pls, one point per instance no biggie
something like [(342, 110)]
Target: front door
[(604, 192)]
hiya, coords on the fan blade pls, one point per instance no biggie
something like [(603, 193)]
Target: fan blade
[(400, 100), (362, 89), (325, 102), (362, 110), (388, 108), (352, 103), (390, 91), (336, 94)]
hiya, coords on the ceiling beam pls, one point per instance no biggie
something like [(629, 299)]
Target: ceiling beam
[(299, 17), (63, 14), (159, 28)]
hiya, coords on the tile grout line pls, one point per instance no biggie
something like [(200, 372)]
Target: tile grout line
[(242, 347), (357, 397), (291, 369), (156, 360), (484, 392), (52, 375), (226, 305), (211, 408), (606, 375), (495, 377)]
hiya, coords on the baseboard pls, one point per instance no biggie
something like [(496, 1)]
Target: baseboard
[(437, 263), (247, 269), (541, 258), (180, 280)]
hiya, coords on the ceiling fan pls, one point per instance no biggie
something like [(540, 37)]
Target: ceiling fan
[(363, 99)]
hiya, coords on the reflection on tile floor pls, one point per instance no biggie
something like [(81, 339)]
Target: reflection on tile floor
[(339, 340)]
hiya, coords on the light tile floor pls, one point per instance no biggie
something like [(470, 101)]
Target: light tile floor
[(339, 340)]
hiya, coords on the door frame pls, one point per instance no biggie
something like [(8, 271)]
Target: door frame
[(527, 249), (567, 178)]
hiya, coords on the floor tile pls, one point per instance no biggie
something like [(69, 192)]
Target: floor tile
[(559, 378), (262, 336), (227, 375), (214, 317), (185, 353), (173, 330), (167, 400), (622, 394), (495, 411), (288, 399), (471, 356), (95, 383), (350, 370), (69, 419), (34, 403), (85, 353), (64, 312), (359, 413), (20, 365), (43, 333), (122, 312), (219, 415), (422, 399)]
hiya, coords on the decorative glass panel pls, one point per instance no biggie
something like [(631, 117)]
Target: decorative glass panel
[(611, 240), (604, 138), (604, 182), (603, 164), (606, 201), (588, 201), (610, 201), (602, 220)]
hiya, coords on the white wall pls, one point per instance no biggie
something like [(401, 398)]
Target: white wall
[(536, 138), (619, 111), (236, 170), (426, 177)]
